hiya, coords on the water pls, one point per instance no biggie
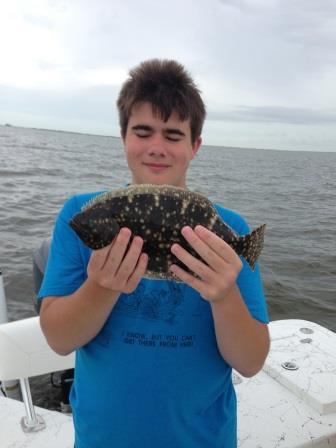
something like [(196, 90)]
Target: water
[(293, 192)]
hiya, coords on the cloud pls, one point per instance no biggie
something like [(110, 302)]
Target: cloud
[(268, 114), (256, 61), (85, 100), (38, 20), (91, 109)]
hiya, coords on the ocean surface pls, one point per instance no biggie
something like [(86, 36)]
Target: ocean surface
[(294, 193)]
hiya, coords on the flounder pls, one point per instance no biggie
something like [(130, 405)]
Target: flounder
[(157, 214)]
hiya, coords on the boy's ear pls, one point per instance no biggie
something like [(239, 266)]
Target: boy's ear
[(196, 145)]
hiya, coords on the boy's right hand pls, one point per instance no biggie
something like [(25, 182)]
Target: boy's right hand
[(116, 268)]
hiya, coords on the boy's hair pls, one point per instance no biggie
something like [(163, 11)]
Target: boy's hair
[(168, 87)]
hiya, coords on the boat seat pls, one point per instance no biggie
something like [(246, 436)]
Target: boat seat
[(24, 351)]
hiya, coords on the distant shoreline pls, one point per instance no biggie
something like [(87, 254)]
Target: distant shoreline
[(12, 126), (8, 125)]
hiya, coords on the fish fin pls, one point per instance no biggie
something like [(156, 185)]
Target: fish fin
[(150, 189), (250, 246)]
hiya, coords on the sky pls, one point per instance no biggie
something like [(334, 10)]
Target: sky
[(266, 68)]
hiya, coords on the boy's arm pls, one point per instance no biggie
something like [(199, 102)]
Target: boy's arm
[(69, 322), (242, 340)]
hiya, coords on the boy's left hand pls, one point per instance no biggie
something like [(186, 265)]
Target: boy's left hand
[(217, 274)]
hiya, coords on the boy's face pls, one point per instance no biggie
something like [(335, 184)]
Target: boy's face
[(158, 152)]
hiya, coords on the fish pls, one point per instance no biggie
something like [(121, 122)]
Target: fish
[(157, 213)]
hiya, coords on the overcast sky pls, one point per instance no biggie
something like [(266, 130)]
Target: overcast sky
[(266, 68)]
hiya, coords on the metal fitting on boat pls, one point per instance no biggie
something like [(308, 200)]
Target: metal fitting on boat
[(306, 341), (306, 330), (290, 365)]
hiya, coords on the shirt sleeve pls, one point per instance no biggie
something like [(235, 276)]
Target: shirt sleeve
[(68, 257), (249, 281)]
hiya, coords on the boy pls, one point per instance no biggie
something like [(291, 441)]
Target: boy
[(154, 358)]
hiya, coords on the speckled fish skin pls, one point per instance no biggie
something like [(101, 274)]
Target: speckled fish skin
[(157, 214)]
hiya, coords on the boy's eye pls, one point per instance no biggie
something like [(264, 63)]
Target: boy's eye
[(173, 137), (142, 133)]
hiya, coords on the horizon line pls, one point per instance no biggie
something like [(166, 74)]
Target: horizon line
[(9, 125)]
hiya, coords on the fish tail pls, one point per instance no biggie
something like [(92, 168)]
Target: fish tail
[(250, 246)]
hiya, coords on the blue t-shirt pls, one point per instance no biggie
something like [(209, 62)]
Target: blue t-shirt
[(153, 377)]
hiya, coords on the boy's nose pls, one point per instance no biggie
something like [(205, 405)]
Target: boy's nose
[(157, 146)]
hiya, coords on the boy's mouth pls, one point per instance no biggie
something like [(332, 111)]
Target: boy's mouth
[(156, 166)]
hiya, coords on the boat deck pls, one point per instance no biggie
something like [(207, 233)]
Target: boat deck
[(58, 433), (291, 403)]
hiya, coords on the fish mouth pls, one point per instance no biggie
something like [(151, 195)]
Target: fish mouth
[(79, 229), (74, 224)]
